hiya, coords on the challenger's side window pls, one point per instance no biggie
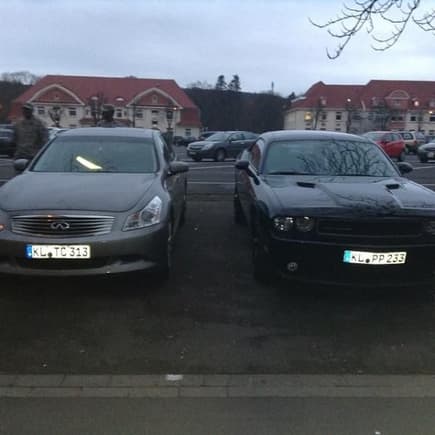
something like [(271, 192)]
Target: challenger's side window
[(255, 156)]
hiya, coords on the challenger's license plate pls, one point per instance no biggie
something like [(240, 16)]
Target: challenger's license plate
[(48, 252), (374, 258)]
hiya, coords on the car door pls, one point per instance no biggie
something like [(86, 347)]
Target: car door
[(174, 183), (244, 183), (235, 144), (397, 144)]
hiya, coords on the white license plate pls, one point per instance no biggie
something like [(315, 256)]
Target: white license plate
[(374, 258), (430, 155), (76, 252)]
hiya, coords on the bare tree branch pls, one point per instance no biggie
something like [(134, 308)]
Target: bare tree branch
[(361, 14)]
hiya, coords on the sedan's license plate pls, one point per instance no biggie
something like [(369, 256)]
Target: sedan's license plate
[(430, 155), (76, 252), (374, 258)]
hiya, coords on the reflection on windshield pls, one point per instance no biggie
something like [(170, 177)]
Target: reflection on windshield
[(327, 157), (98, 154), (217, 137)]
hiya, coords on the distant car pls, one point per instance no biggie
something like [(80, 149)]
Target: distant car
[(391, 142), (331, 207), (221, 145), (205, 134), (94, 201), (54, 131), (184, 140), (7, 147), (426, 152), (412, 139)]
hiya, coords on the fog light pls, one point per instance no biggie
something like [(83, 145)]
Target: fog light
[(292, 266), (283, 223), (2, 227), (304, 224)]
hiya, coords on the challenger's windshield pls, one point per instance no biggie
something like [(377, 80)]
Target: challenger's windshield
[(327, 157)]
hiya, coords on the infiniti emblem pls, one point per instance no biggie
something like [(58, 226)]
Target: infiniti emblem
[(61, 225)]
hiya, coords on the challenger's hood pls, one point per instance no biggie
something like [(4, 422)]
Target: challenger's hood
[(355, 195), (66, 191)]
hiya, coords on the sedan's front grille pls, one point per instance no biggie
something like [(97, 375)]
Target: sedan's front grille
[(196, 147), (370, 228), (62, 226)]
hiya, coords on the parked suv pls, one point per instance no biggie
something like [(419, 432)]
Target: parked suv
[(390, 141), (221, 145), (7, 147), (413, 139)]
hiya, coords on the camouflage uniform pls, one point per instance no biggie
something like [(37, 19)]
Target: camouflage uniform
[(29, 136)]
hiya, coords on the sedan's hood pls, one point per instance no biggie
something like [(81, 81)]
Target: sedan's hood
[(99, 192), (200, 143), (353, 195)]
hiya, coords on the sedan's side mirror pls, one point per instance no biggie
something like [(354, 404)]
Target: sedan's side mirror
[(405, 167), (178, 168), (21, 164)]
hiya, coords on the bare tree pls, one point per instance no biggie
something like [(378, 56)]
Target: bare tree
[(363, 14)]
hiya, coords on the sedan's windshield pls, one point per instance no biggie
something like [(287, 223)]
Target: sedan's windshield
[(327, 157), (217, 137), (98, 154)]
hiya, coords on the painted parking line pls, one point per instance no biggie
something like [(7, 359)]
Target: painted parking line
[(416, 168), (193, 168), (222, 386)]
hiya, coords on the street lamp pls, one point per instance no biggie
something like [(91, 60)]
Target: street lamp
[(169, 118), (55, 114), (348, 114)]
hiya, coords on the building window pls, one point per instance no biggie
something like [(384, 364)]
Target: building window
[(188, 132), (72, 126), (119, 113), (337, 128), (323, 116), (87, 112), (155, 99), (41, 110), (431, 118), (155, 123), (338, 116), (431, 132), (397, 118), (72, 111), (139, 113), (155, 112), (413, 118)]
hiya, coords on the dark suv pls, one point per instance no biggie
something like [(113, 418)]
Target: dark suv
[(221, 145), (6, 142)]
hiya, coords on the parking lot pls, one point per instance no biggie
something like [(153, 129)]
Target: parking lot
[(211, 317)]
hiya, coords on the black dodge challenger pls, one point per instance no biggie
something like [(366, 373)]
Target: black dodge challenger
[(332, 207)]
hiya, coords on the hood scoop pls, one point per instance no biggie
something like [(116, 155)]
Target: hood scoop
[(393, 186), (306, 184)]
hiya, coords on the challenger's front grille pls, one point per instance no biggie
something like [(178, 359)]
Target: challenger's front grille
[(62, 226), (370, 228)]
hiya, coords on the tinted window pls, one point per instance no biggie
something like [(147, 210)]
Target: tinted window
[(98, 154), (406, 135), (327, 157)]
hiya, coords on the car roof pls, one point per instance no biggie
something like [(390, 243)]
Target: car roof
[(309, 134), (105, 131)]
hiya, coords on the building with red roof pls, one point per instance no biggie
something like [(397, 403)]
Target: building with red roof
[(76, 101), (378, 105)]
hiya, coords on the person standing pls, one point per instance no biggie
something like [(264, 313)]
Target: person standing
[(107, 113), (30, 134)]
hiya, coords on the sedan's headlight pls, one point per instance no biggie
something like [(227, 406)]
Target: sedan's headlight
[(2, 227), (149, 215)]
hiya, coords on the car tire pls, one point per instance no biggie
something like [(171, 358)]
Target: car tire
[(239, 217), (220, 155)]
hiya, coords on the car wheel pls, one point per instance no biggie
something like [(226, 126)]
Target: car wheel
[(401, 157), (220, 155), (239, 217), (197, 159)]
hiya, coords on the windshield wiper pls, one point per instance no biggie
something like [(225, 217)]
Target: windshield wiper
[(288, 173)]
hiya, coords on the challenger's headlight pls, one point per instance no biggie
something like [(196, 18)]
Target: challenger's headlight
[(283, 224), (149, 215), (304, 224)]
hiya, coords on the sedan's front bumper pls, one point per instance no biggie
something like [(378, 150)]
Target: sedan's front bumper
[(117, 252), (322, 262), (201, 154)]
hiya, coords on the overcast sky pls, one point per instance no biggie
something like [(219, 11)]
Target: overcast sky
[(263, 41)]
